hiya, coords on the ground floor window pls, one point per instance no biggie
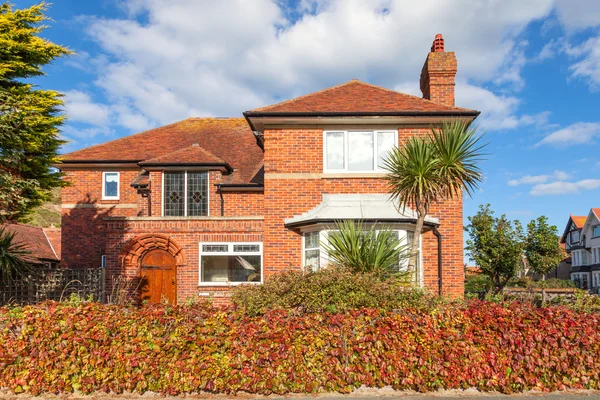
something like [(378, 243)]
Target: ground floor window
[(315, 255), (596, 279), (230, 263), (580, 279)]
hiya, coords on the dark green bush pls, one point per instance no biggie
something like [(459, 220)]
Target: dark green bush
[(477, 283), (330, 290)]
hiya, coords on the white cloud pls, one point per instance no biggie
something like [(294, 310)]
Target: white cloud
[(71, 132), (577, 133), (221, 58), (575, 15), (588, 66), (536, 179), (557, 188), (497, 111), (80, 108)]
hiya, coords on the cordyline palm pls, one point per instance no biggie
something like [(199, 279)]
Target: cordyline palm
[(13, 257), (434, 168)]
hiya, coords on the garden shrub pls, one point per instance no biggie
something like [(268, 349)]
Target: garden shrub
[(552, 283), (376, 250), (57, 348), (477, 283), (328, 290)]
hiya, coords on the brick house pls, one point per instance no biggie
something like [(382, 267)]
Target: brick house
[(205, 203)]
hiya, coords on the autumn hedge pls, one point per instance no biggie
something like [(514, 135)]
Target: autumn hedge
[(90, 347)]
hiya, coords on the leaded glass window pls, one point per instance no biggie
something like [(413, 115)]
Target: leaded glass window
[(185, 194), (196, 194)]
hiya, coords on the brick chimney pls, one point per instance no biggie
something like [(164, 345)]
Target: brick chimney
[(437, 75)]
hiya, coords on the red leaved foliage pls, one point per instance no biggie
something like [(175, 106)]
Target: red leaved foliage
[(55, 348)]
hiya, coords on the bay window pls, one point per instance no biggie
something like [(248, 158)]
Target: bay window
[(357, 151), (185, 194), (312, 250), (230, 263), (315, 256)]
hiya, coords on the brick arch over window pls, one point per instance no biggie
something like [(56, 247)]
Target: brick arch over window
[(137, 247)]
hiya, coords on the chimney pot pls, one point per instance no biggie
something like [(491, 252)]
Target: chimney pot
[(438, 44)]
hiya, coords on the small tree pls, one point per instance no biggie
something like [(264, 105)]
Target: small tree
[(361, 250), (29, 117), (496, 245), (434, 168), (542, 246)]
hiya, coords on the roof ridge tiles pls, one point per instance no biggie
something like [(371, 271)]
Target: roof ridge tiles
[(359, 82)]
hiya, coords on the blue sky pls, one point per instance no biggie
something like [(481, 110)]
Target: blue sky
[(532, 68)]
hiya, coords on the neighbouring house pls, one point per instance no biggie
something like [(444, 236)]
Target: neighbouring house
[(582, 240), (43, 244), (197, 206)]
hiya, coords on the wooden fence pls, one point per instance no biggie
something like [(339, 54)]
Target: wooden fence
[(55, 284)]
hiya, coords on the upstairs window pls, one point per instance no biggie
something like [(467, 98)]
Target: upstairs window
[(110, 186), (575, 237), (185, 194), (357, 151), (596, 231)]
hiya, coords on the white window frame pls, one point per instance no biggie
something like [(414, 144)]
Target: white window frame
[(305, 249), (104, 196), (229, 252), (595, 255), (345, 170), (593, 228), (185, 187), (595, 279)]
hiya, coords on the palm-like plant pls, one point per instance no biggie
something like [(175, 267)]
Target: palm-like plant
[(13, 256), (434, 168), (374, 250)]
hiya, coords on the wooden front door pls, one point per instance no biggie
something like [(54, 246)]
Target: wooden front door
[(159, 277)]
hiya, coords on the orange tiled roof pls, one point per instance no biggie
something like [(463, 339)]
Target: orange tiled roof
[(229, 140), (596, 211), (357, 96), (579, 220), (193, 154), (54, 237), (34, 240)]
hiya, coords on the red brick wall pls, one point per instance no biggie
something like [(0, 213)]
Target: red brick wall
[(83, 212), (289, 195), (186, 233)]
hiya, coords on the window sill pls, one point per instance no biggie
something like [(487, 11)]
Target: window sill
[(350, 175), (225, 284)]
